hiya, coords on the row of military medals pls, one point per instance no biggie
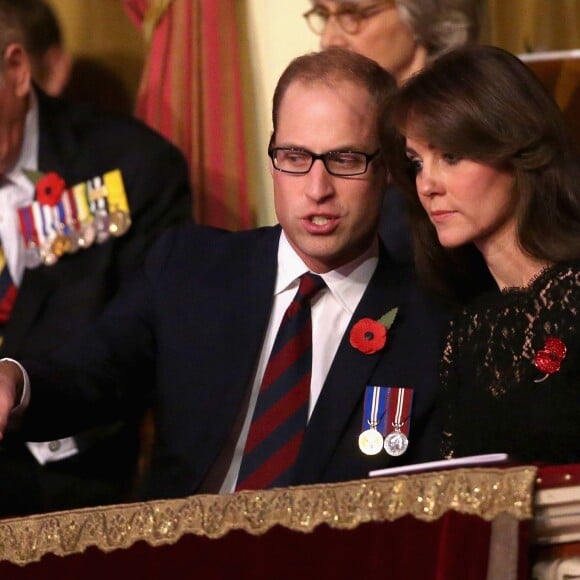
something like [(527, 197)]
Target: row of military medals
[(87, 213), (386, 420)]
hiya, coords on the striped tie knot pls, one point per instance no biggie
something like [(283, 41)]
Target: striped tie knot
[(310, 285), (281, 410)]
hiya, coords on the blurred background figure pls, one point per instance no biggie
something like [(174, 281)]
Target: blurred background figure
[(56, 273), (402, 36), (58, 73), (50, 62)]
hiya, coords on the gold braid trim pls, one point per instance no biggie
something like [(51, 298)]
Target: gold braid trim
[(154, 14), (484, 492)]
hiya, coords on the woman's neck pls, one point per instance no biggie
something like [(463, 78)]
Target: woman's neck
[(509, 264)]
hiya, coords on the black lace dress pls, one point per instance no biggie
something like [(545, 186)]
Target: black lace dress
[(495, 398)]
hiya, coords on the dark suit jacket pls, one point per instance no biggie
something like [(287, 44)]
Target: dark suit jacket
[(56, 301), (394, 228), (191, 326)]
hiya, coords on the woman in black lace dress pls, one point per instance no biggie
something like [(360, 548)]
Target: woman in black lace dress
[(493, 180)]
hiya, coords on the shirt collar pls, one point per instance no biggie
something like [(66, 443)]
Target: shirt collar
[(29, 152), (346, 283)]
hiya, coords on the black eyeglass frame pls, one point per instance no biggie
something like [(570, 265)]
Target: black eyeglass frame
[(368, 157), (358, 16)]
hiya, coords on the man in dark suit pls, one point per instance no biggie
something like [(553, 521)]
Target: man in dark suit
[(65, 290), (195, 328)]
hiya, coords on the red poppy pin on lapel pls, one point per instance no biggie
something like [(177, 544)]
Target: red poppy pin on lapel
[(370, 336), (49, 187)]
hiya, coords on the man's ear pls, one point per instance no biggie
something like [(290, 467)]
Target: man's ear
[(271, 164), (16, 69)]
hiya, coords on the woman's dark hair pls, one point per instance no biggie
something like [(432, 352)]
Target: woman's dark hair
[(482, 103)]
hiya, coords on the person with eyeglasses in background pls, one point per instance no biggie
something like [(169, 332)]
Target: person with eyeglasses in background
[(402, 36), (234, 408)]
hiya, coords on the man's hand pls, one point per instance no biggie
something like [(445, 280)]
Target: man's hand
[(11, 385)]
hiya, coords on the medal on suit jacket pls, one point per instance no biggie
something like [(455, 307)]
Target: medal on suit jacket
[(98, 208), (370, 441), (386, 420), (119, 214), (62, 220), (32, 257), (398, 418)]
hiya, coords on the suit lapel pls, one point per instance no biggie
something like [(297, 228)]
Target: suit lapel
[(246, 322), (349, 374), (245, 300)]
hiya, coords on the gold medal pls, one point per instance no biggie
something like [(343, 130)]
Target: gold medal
[(73, 243), (370, 441), (49, 258), (60, 245), (119, 223)]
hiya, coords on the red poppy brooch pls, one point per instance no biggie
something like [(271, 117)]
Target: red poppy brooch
[(49, 187), (370, 336), (549, 359)]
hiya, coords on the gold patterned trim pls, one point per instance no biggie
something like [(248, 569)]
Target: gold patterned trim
[(482, 492)]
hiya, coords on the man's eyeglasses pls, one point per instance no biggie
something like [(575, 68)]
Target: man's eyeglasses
[(340, 163), (349, 18)]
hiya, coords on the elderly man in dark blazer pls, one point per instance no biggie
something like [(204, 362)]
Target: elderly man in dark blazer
[(195, 329), (58, 291)]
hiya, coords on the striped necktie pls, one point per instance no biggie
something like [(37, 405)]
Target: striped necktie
[(281, 410), (8, 290)]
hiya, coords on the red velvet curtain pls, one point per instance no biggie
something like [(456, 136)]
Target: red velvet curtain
[(191, 93), (454, 547)]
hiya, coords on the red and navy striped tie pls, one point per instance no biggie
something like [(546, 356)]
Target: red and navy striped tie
[(281, 410)]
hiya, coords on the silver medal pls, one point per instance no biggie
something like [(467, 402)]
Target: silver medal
[(396, 443), (101, 222), (87, 235), (32, 257)]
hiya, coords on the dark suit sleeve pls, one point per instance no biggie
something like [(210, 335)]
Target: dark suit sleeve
[(105, 371)]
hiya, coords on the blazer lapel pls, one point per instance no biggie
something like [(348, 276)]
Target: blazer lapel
[(349, 374), (244, 328), (246, 297)]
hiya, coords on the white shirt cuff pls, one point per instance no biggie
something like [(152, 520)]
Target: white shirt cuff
[(22, 405)]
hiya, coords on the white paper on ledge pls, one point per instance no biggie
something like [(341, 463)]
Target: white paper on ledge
[(470, 461)]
